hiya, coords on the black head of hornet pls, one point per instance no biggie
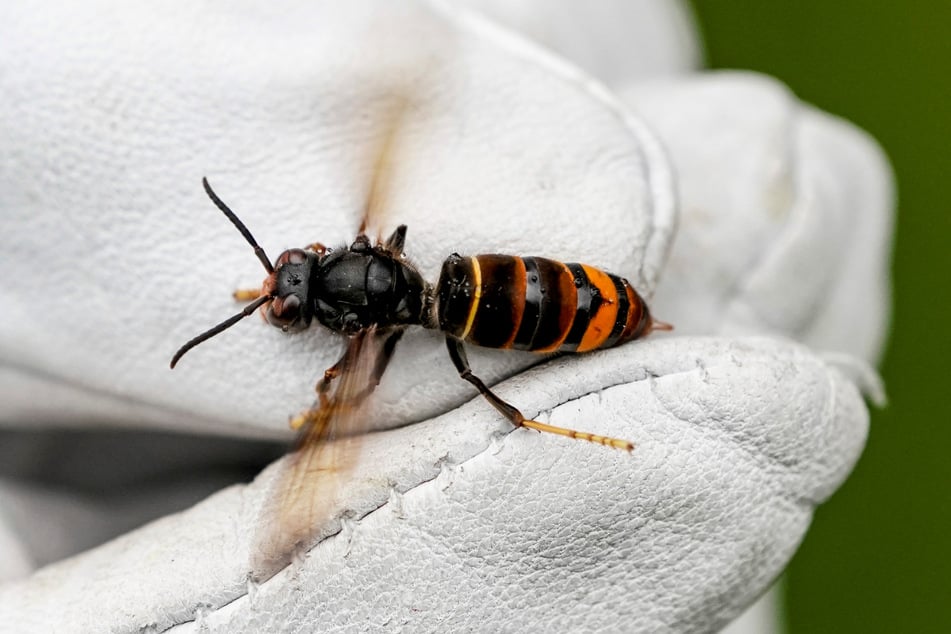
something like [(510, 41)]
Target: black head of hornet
[(347, 290)]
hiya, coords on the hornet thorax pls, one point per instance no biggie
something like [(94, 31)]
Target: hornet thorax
[(361, 286)]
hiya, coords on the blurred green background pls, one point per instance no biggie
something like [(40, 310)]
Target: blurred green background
[(878, 557)]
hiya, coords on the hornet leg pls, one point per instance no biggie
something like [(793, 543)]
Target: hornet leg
[(246, 294), (458, 355), (344, 365)]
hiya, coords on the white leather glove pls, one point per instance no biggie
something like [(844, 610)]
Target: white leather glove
[(114, 258)]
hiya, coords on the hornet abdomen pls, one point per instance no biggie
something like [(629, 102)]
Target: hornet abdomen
[(537, 304)]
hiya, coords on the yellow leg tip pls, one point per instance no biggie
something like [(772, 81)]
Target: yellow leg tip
[(246, 294), (615, 443), (623, 445)]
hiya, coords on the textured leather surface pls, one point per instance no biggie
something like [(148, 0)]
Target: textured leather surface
[(472, 527), (456, 523), (786, 216)]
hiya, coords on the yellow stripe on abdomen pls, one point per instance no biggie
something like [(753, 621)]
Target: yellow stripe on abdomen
[(476, 296)]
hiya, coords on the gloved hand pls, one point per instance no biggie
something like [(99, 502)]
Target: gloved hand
[(114, 258)]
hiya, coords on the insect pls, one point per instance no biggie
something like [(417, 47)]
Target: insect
[(371, 293)]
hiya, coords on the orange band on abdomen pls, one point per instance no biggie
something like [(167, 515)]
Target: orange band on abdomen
[(601, 323)]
